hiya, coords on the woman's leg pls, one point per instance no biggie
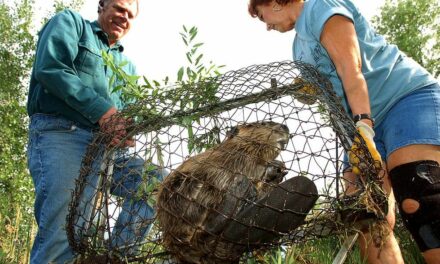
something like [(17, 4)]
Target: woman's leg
[(390, 251), (411, 136), (412, 199)]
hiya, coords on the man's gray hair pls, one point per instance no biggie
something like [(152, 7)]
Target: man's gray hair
[(103, 3)]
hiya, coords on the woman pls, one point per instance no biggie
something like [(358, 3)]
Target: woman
[(376, 82)]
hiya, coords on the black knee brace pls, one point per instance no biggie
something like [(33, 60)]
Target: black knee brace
[(420, 181)]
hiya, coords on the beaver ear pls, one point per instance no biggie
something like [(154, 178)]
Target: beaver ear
[(232, 132)]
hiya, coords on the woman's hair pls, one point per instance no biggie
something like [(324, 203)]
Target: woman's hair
[(252, 7)]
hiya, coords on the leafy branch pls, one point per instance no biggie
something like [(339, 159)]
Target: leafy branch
[(193, 89)]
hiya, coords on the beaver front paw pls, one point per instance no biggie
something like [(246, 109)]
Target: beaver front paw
[(275, 172)]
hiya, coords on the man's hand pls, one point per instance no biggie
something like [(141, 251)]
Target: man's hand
[(115, 126), (357, 155)]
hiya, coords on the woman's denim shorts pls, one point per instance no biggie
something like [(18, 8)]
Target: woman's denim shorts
[(415, 119)]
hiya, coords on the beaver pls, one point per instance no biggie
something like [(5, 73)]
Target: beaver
[(207, 206)]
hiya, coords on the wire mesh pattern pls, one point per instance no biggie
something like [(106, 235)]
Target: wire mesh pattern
[(248, 160)]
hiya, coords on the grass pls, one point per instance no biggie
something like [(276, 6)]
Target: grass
[(16, 238), (323, 251), (320, 251)]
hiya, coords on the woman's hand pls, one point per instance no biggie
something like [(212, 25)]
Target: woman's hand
[(359, 154)]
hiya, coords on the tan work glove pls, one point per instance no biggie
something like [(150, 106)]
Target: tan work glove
[(357, 155)]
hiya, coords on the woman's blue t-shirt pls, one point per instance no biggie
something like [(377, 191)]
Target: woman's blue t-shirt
[(389, 73)]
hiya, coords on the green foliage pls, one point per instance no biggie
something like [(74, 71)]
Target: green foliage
[(320, 251), (122, 82), (196, 71), (186, 94), (191, 92), (414, 26), (15, 186), (16, 191), (410, 251), (60, 5), (324, 250), (16, 51)]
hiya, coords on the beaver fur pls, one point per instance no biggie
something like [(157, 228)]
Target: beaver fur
[(197, 201)]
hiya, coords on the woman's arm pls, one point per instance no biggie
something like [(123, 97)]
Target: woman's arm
[(339, 39)]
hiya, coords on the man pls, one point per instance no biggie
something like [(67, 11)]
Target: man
[(69, 99)]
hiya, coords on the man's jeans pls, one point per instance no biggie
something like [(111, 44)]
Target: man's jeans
[(55, 151)]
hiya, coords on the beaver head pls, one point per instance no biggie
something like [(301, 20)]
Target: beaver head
[(263, 140)]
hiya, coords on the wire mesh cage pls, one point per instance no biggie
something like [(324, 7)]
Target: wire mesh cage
[(248, 160)]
